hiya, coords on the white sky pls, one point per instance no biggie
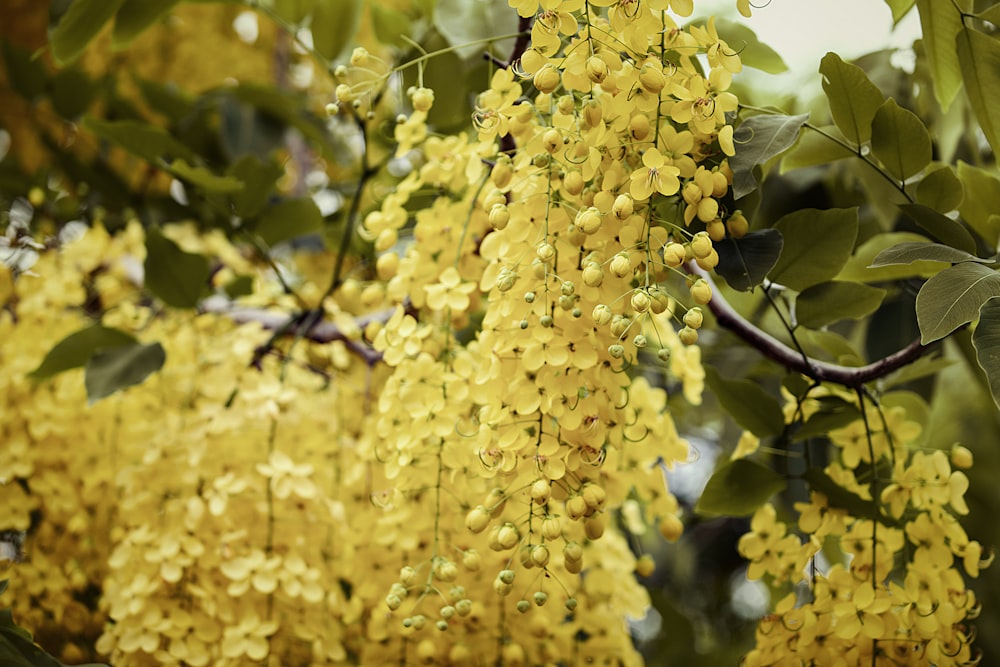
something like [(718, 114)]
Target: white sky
[(802, 31)]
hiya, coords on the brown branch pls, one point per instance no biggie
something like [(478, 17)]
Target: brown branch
[(854, 377)]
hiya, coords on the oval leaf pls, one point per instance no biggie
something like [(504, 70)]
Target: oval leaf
[(979, 56), (940, 23), (986, 338), (953, 298), (75, 350), (941, 227), (177, 277), (288, 219), (149, 142), (816, 245), (853, 98), (981, 202), (135, 16), (80, 24), (858, 267), (745, 262), (900, 140), (829, 302), (758, 139), (816, 147), (752, 407), (334, 24), (203, 178), (907, 253), (121, 367), (739, 488), (940, 189)]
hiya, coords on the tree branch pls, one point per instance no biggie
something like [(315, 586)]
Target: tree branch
[(854, 377)]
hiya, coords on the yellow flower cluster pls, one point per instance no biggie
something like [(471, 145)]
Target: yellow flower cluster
[(893, 591)]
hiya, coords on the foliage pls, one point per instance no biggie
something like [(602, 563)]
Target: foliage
[(377, 336)]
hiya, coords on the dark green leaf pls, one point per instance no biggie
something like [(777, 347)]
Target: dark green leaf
[(117, 368), (940, 23), (739, 488), (900, 140), (74, 350), (149, 142), (166, 99), (815, 148), (758, 139), (26, 75), (391, 25), (986, 338), (907, 253), (979, 56), (829, 302), (290, 109), (940, 189), (940, 226), (72, 93), (239, 286), (334, 25), (288, 219), (840, 498), (816, 245), (177, 277), (900, 8), (745, 262), (293, 11), (853, 98), (953, 298), (750, 406), (259, 178), (981, 202), (80, 24), (753, 52), (135, 16), (858, 267), (922, 367), (203, 178), (833, 413)]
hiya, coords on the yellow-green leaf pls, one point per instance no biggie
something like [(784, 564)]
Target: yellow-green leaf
[(940, 22), (177, 277), (834, 300), (203, 178), (78, 26), (74, 350), (750, 406), (981, 202), (907, 253), (853, 98), (858, 268), (900, 141), (953, 298), (739, 488), (288, 219), (900, 8), (986, 338), (817, 243), (334, 24), (116, 368), (979, 56), (940, 189), (941, 227), (815, 147), (135, 16)]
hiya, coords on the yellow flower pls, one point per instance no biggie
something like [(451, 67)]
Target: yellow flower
[(449, 292), (287, 477), (249, 638), (656, 176)]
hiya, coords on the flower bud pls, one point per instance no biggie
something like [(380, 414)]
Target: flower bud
[(621, 265), (477, 519), (546, 79), (422, 99), (602, 314), (502, 172), (737, 225), (701, 292), (540, 555), (694, 317), (593, 276), (961, 457), (640, 301), (573, 182), (552, 140), (541, 490), (671, 527), (499, 216), (597, 69), (588, 220), (674, 255), (651, 78), (623, 206), (545, 251), (593, 526), (688, 336)]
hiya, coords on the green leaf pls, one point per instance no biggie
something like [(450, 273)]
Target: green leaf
[(831, 301), (290, 109), (25, 74), (203, 178), (239, 286), (940, 189), (293, 11), (80, 24), (979, 56), (922, 367), (940, 227), (259, 179), (461, 22), (74, 350), (135, 16), (289, 219), (853, 98), (991, 14), (117, 368), (840, 498), (953, 298), (981, 202), (907, 253), (177, 277), (390, 25), (859, 269), (940, 23), (745, 262), (900, 140), (334, 25), (739, 488), (166, 99), (816, 245), (147, 141), (73, 92), (815, 148), (758, 139), (986, 338), (833, 413), (753, 52), (900, 8), (750, 406)]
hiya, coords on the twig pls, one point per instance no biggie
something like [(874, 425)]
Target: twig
[(854, 377)]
